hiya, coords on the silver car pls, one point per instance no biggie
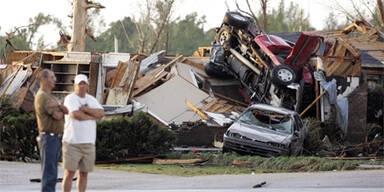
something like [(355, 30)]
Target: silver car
[(266, 131)]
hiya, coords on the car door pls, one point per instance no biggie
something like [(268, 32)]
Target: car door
[(298, 136)]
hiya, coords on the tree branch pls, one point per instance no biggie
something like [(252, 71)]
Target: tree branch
[(89, 34), (343, 10), (381, 11), (126, 34), (91, 4), (166, 16), (253, 16)]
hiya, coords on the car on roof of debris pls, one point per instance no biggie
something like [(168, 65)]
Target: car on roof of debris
[(270, 68), (266, 130)]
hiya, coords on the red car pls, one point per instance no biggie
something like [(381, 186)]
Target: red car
[(270, 68)]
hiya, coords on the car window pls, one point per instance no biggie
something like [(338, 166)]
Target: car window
[(267, 119)]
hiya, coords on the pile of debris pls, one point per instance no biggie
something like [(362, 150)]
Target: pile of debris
[(245, 66), (171, 89)]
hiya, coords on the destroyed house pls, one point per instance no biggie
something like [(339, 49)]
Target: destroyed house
[(175, 90), (353, 79)]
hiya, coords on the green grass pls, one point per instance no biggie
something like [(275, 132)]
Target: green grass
[(178, 170), (219, 164)]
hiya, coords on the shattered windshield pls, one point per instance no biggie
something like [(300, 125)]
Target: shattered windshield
[(267, 119)]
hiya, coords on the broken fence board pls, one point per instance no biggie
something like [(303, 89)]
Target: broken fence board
[(176, 161)]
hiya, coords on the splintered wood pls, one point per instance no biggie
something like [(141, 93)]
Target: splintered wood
[(217, 105), (153, 77), (123, 82), (342, 60)]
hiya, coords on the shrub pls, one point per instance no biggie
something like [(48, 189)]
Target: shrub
[(317, 131), (18, 132), (120, 138)]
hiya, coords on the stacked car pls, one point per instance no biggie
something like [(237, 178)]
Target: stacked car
[(271, 69)]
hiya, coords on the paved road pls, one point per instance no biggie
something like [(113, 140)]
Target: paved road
[(14, 176)]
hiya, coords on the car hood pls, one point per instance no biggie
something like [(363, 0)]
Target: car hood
[(259, 133)]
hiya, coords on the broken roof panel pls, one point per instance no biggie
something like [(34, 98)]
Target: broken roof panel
[(147, 64), (14, 81), (168, 100), (187, 72)]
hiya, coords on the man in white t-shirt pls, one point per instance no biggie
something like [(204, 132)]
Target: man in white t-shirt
[(79, 152)]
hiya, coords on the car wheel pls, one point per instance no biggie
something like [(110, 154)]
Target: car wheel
[(215, 70), (283, 75), (223, 37), (236, 19)]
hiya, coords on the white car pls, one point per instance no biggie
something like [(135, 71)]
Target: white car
[(267, 131)]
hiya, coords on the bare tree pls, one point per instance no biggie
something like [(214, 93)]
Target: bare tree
[(142, 27), (264, 4), (381, 11), (79, 20), (359, 8), (250, 13), (155, 20), (164, 11)]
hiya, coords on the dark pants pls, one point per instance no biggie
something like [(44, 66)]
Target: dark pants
[(50, 151)]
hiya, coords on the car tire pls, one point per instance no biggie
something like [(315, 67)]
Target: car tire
[(214, 70), (283, 75), (236, 19), (223, 37)]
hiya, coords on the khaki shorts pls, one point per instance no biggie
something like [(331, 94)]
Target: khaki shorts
[(79, 157)]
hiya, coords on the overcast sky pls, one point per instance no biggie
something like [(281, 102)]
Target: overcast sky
[(17, 12)]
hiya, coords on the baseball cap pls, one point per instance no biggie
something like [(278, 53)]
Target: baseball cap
[(79, 78)]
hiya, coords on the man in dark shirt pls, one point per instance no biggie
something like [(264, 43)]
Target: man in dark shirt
[(50, 122)]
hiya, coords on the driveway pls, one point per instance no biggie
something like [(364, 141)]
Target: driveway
[(14, 176)]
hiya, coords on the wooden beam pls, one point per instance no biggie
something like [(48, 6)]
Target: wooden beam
[(196, 110), (354, 52), (309, 106), (176, 161)]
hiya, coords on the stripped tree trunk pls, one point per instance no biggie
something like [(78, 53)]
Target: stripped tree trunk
[(79, 21), (381, 11), (264, 8), (78, 26)]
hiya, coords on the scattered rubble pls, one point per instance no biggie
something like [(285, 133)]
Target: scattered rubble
[(200, 96)]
